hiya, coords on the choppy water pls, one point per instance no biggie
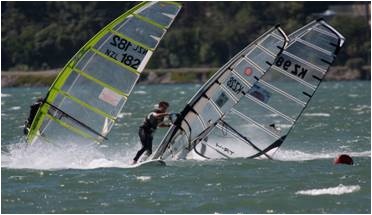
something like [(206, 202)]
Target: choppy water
[(95, 179)]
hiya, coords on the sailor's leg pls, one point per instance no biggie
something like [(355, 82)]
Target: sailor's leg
[(139, 153), (149, 146), (142, 136)]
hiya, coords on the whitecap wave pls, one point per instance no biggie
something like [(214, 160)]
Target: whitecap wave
[(123, 114), (143, 178), (140, 92), (317, 114), (339, 190), (15, 108), (353, 95), (5, 95), (296, 155)]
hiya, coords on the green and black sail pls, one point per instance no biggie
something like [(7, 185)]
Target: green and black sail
[(84, 101)]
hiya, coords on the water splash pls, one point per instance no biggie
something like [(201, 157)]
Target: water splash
[(64, 156)]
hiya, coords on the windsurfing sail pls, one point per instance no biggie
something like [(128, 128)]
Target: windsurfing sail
[(217, 96), (259, 123), (85, 99)]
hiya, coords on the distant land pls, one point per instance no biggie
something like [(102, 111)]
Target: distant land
[(165, 76)]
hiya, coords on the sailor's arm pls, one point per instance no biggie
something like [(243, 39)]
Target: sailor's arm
[(159, 115), (164, 125)]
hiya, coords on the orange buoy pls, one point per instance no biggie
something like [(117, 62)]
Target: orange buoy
[(344, 159)]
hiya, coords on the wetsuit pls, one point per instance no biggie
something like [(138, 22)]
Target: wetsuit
[(146, 132), (33, 110)]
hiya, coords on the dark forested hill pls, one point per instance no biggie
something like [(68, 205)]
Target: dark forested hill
[(44, 35)]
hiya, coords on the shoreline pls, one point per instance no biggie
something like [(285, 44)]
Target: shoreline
[(163, 76)]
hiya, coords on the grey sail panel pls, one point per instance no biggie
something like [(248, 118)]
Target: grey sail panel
[(220, 93), (261, 120)]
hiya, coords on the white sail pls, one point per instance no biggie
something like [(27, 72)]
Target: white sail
[(260, 122), (216, 97)]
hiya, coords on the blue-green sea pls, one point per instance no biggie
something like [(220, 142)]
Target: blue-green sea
[(97, 179)]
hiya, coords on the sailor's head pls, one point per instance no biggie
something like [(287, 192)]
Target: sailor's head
[(163, 106)]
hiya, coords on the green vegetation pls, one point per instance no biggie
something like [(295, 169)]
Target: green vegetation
[(44, 35)]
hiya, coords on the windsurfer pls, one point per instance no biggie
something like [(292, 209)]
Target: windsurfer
[(33, 110), (152, 121)]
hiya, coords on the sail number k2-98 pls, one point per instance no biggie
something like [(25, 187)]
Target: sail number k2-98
[(293, 68)]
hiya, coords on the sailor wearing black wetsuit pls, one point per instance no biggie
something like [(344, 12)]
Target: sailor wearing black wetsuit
[(152, 121), (33, 110)]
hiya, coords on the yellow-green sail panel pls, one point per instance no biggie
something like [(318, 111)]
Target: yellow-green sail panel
[(92, 89)]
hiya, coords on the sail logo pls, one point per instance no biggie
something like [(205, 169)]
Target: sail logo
[(248, 71), (225, 149), (110, 97), (260, 93)]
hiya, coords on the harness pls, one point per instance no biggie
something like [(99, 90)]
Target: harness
[(151, 123)]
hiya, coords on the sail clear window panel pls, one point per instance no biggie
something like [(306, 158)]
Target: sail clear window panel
[(120, 49), (292, 88), (56, 133), (160, 12), (285, 77), (253, 133), (278, 101), (206, 111), (141, 31), (179, 144), (261, 115), (271, 43), (325, 29), (260, 58), (310, 54), (79, 127), (108, 72), (195, 124), (95, 121), (89, 92), (321, 40), (44, 124), (186, 129)]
